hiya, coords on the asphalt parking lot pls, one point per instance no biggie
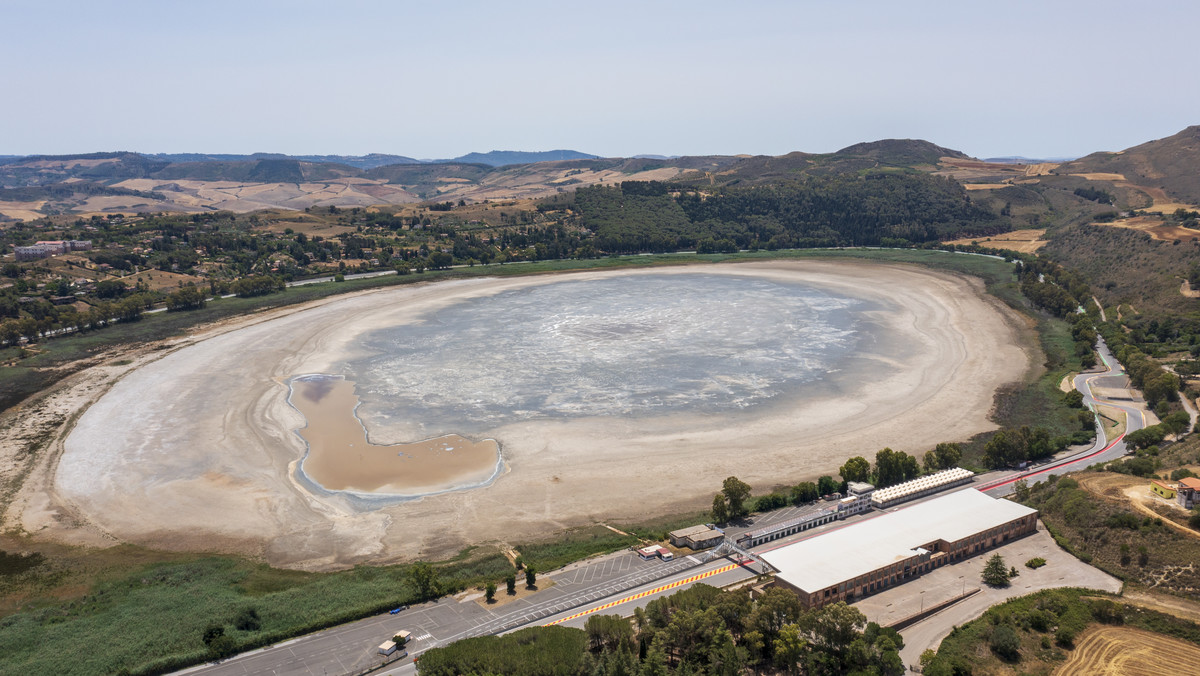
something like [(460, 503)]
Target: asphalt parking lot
[(1061, 570)]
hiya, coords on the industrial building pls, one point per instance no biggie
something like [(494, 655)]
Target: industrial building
[(920, 487), (697, 537), (878, 553)]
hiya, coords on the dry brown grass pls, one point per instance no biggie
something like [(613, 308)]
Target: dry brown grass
[(25, 211), (985, 186), (1040, 169), (159, 280), (1101, 176), (1122, 651), (1024, 241), (1155, 228), (1133, 492)]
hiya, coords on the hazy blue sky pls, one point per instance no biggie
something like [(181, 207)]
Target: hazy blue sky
[(612, 78)]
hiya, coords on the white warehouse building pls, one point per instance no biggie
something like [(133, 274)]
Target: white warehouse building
[(880, 552)]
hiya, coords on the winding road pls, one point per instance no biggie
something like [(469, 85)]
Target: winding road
[(1112, 375)]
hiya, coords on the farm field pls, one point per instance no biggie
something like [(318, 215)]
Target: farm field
[(1123, 651)]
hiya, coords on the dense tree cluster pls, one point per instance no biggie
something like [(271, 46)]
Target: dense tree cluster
[(942, 456), (891, 467), (1095, 195), (1009, 448), (700, 630), (870, 210)]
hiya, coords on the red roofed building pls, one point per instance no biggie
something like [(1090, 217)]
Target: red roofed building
[(1188, 493)]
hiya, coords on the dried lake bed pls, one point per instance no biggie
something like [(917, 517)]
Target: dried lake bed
[(612, 395)]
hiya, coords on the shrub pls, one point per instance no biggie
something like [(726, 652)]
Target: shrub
[(248, 620), (1005, 643), (1035, 563)]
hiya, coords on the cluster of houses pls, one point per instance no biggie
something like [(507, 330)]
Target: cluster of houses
[(1186, 492), (45, 249)]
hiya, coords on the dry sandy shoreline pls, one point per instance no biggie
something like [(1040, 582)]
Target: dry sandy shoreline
[(196, 450)]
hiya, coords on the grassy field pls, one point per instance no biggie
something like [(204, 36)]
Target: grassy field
[(144, 612), (150, 618)]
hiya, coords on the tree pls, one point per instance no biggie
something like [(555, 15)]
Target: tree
[(510, 584), (804, 492), (609, 633), (489, 593), (1021, 489), (943, 456), (856, 469), (736, 491), (424, 577), (720, 513), (1074, 399), (826, 485), (836, 626), (893, 467), (995, 573), (187, 298), (790, 646), (530, 577)]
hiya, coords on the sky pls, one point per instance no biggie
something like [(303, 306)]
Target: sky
[(441, 79)]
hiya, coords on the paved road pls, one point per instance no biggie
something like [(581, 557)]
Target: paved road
[(1112, 374)]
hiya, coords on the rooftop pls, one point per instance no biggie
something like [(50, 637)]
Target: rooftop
[(919, 484), (1190, 482), (865, 546), (691, 531)]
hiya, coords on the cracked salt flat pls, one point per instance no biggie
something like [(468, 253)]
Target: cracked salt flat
[(643, 345)]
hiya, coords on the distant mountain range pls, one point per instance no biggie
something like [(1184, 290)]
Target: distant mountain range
[(495, 158), (503, 158), (37, 185), (1018, 159)]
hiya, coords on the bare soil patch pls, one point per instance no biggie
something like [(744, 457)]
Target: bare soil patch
[(1101, 176), (1024, 241)]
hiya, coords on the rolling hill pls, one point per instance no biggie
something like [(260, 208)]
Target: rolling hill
[(1171, 164), (1152, 175)]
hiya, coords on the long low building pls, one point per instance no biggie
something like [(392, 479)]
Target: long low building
[(872, 555), (920, 487)]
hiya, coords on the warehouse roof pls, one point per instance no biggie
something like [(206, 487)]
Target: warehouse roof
[(859, 548)]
